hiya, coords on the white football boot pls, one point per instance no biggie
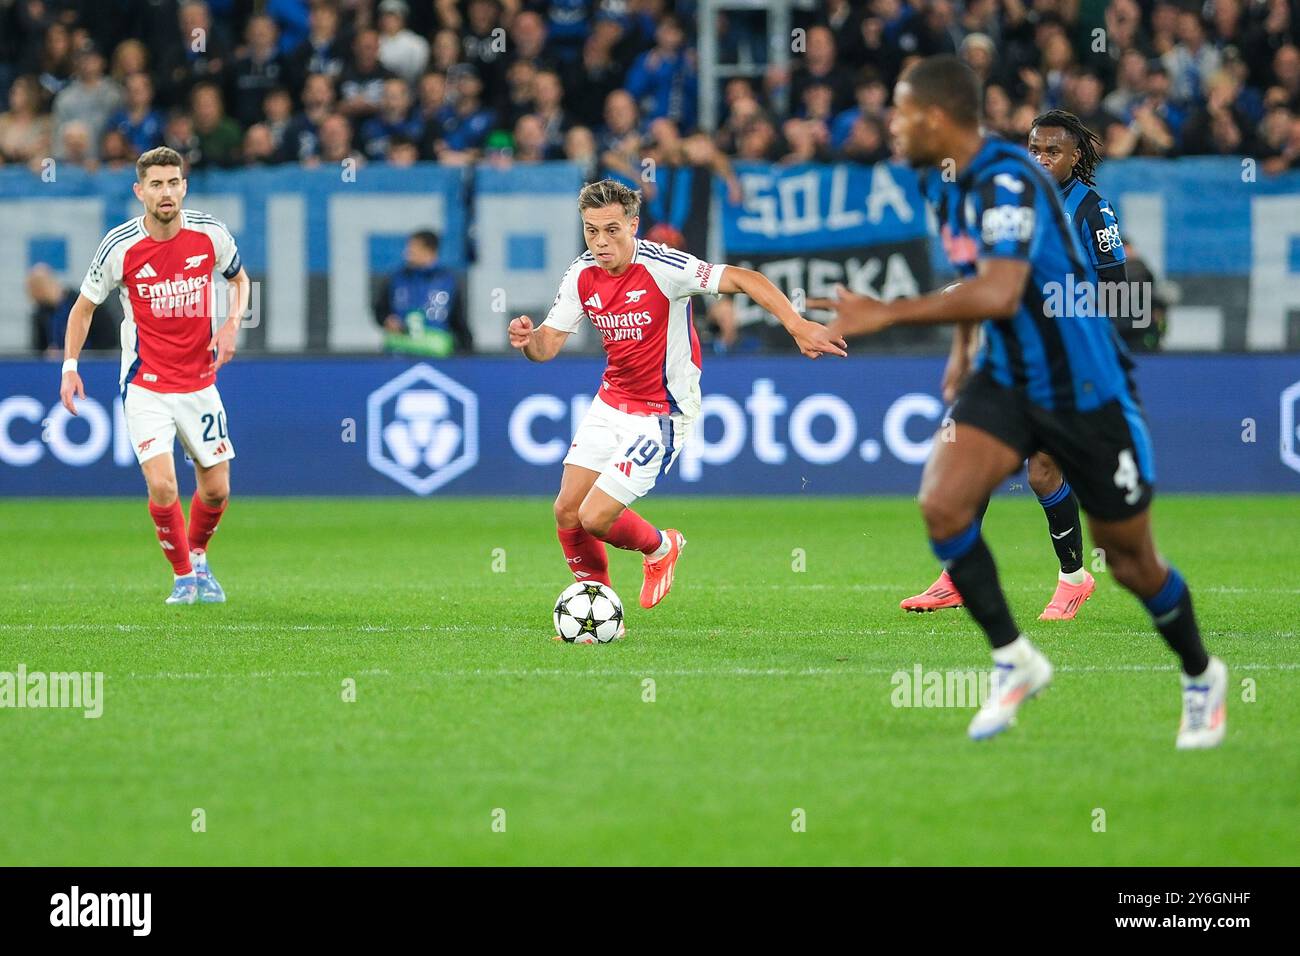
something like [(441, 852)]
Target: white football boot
[(1205, 708), (1019, 672)]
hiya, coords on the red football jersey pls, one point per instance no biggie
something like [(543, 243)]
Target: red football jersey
[(644, 318), (167, 298)]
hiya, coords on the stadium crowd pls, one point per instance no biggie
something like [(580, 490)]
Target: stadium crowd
[(608, 83)]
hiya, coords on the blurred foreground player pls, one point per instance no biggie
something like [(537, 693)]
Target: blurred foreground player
[(638, 295), (163, 263), (1068, 150), (1049, 376)]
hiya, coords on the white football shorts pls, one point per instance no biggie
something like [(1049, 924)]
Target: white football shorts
[(155, 419), (629, 451)]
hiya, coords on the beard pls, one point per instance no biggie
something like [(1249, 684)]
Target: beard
[(166, 216)]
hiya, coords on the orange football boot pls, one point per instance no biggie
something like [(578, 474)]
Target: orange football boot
[(939, 595), (659, 574)]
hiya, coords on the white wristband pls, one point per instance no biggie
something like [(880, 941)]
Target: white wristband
[(69, 365)]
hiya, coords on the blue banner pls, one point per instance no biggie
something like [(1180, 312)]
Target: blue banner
[(772, 426), (808, 208)]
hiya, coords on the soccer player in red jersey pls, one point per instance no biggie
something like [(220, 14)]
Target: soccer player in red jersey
[(638, 295), (163, 263)]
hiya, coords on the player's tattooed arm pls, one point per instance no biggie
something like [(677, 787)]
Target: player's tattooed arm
[(538, 343), (994, 293), (73, 339), (813, 338)]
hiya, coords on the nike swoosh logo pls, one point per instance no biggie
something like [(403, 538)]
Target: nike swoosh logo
[(1058, 537)]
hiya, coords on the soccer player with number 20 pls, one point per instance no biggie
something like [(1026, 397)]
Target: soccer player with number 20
[(163, 263)]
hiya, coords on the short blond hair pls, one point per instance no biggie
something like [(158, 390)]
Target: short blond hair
[(609, 192), (158, 156)]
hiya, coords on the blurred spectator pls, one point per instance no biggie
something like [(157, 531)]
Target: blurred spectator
[(808, 142), (129, 58), (291, 21), (402, 151), (664, 79), (1282, 132), (1192, 59), (1130, 85), (590, 81), (89, 99), (116, 151), (361, 90), (1286, 72), (483, 46), (395, 118), (302, 138), (979, 53), (258, 69), (137, 120), (336, 142), (259, 147), (54, 65), (25, 134), (867, 141), (323, 51), (193, 54), (519, 99), (1083, 99), (528, 41), (548, 105), (218, 135), (277, 107), (51, 303), (466, 124), (75, 146), (997, 110), (401, 50), (445, 52), (819, 65), (622, 130), (1219, 127), (580, 148), (420, 306), (530, 141), (758, 141), (180, 136), (429, 109), (1153, 123), (567, 27)]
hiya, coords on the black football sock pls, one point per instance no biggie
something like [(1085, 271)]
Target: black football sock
[(1171, 610), (970, 565), (1062, 510)]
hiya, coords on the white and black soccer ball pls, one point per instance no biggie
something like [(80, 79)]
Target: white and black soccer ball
[(588, 612)]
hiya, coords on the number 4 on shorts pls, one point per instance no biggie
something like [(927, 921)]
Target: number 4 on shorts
[(1127, 476)]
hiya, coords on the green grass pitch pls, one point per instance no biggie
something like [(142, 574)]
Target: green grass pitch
[(772, 693)]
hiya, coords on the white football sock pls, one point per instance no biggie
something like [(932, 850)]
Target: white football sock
[(1017, 653), (1073, 577), (662, 551)]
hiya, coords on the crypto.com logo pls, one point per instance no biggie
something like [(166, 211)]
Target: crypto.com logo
[(422, 429), (1291, 427)]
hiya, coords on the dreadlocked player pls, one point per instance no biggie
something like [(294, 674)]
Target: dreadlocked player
[(1067, 149)]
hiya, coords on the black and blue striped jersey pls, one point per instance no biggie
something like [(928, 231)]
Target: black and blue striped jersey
[(1094, 220), (1058, 349)]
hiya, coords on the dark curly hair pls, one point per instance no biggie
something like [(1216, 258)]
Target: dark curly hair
[(1089, 143)]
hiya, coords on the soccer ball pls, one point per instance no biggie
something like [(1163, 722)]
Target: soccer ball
[(588, 612)]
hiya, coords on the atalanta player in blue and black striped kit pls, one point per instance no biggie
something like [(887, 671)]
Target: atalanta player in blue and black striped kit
[(1068, 150), (1050, 376)]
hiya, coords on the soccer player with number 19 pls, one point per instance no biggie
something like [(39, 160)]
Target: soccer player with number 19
[(1047, 378), (638, 295), (163, 263)]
